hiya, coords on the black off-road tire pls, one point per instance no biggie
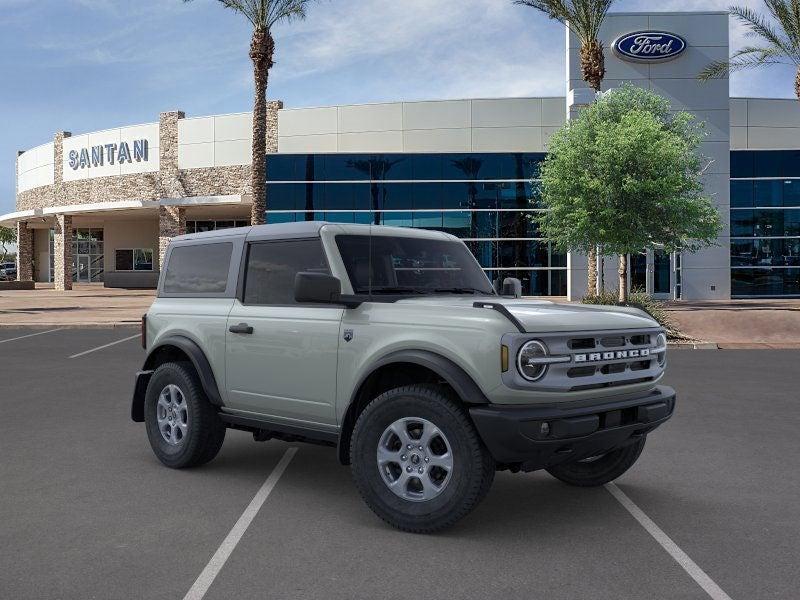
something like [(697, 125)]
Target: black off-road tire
[(473, 467), (599, 471), (205, 432)]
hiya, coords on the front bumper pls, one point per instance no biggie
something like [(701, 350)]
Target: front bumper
[(535, 437)]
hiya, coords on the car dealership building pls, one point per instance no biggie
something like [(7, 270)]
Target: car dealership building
[(102, 206)]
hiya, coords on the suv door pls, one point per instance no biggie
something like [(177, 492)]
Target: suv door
[(280, 355)]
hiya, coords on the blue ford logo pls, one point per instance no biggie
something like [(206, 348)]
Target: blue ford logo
[(649, 46)]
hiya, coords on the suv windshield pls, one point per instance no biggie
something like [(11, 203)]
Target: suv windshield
[(410, 265)]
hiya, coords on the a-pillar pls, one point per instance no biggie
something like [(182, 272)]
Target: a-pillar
[(24, 252), (62, 250), (171, 222)]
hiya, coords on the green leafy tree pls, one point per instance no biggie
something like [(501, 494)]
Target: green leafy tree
[(263, 15), (8, 236), (626, 175), (778, 40), (584, 19)]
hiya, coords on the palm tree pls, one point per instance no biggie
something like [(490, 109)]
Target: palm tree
[(780, 41), (263, 15), (584, 19)]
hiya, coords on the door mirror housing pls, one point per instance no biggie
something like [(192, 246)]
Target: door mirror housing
[(321, 288), (512, 287)]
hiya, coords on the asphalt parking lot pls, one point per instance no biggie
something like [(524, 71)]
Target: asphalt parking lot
[(86, 511)]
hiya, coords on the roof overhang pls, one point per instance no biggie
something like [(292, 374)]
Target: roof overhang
[(13, 218)]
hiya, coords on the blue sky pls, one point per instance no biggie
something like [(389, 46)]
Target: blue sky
[(84, 65)]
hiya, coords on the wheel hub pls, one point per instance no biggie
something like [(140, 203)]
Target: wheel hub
[(415, 459), (172, 414)]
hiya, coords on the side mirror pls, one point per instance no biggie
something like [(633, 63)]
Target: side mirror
[(512, 287), (319, 288)]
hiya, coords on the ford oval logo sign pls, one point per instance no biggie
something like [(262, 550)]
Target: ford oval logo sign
[(649, 46)]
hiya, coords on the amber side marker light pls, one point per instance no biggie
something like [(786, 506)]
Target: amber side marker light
[(504, 358)]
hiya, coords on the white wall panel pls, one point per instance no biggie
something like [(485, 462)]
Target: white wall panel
[(554, 111), (763, 112), (195, 156), (765, 138), (371, 141), (307, 121), (196, 131), (507, 139), (437, 140), (233, 152), (698, 29), (233, 127), (299, 144), (370, 117), (444, 114), (738, 109), (739, 138), (507, 112)]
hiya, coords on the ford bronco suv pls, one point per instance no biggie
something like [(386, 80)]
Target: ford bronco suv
[(392, 346)]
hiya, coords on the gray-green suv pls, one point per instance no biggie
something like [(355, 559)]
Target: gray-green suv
[(391, 345)]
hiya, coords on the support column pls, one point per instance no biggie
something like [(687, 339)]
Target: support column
[(62, 250), (171, 222), (24, 252)]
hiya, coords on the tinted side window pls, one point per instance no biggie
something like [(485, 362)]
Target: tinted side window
[(272, 266), (198, 269)]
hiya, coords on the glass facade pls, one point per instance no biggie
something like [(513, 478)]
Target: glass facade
[(486, 199), (765, 223)]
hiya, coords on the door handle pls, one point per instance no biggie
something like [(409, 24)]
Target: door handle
[(240, 328)]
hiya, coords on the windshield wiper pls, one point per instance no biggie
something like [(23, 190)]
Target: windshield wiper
[(394, 290), (462, 290)]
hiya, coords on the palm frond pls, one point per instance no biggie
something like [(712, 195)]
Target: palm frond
[(759, 26), (583, 17), (744, 58)]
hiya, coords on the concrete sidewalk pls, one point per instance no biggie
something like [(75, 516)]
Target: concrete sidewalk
[(87, 305)]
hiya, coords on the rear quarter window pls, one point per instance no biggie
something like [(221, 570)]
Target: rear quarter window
[(198, 269)]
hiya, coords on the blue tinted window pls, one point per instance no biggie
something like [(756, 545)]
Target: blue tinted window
[(765, 282), (281, 167), (340, 196), (273, 217), (768, 193), (282, 196), (427, 220), (742, 223), (768, 163), (741, 194), (458, 223), (791, 192), (426, 166), (455, 195), (396, 196), (426, 195), (742, 164)]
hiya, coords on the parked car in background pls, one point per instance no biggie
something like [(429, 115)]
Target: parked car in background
[(8, 271)]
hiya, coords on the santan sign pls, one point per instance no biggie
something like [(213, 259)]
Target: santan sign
[(649, 46), (97, 156)]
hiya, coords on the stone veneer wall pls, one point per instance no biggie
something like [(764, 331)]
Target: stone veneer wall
[(24, 248), (62, 250)]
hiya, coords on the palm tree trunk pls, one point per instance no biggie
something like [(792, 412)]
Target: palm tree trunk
[(797, 84), (593, 64), (623, 278), (262, 48)]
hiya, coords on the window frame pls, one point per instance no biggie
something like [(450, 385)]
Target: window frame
[(152, 268), (236, 239), (245, 259)]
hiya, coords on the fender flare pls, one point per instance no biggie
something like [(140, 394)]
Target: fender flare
[(199, 361), (463, 385)]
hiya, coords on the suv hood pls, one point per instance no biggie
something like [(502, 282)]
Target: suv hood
[(544, 316)]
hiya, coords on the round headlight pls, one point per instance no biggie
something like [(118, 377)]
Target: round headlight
[(661, 342), (526, 360)]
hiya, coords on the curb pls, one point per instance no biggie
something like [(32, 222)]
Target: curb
[(694, 345), (96, 325)]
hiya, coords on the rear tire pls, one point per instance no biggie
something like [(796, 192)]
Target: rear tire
[(419, 490), (183, 427), (595, 471)]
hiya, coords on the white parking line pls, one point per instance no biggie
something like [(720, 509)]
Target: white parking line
[(22, 337), (104, 346), (694, 571), (206, 578)]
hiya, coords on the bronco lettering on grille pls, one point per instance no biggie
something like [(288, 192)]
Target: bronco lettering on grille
[(618, 354)]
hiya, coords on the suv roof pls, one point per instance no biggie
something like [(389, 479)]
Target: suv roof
[(307, 229)]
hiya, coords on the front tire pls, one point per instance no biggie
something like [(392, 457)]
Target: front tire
[(183, 427), (599, 470), (417, 460)]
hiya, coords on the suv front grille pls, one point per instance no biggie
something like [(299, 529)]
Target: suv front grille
[(596, 359)]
